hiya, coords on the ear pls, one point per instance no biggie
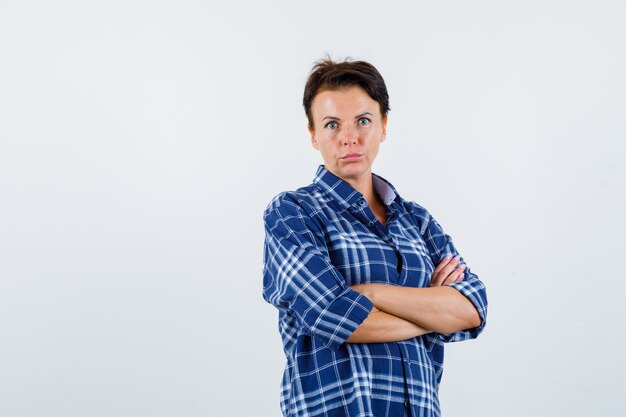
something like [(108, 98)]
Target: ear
[(312, 133), (384, 135)]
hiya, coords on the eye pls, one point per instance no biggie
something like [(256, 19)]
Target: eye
[(364, 121), (331, 125)]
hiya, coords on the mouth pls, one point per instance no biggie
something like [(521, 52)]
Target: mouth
[(351, 156)]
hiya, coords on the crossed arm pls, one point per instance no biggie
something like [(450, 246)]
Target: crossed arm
[(401, 313), (298, 277)]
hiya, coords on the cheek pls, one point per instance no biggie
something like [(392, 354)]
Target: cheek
[(373, 140)]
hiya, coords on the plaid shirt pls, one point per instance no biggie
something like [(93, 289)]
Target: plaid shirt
[(319, 240)]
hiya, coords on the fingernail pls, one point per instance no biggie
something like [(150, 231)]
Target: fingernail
[(456, 258), (463, 267), (448, 257)]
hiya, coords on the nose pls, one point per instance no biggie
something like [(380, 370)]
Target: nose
[(349, 135)]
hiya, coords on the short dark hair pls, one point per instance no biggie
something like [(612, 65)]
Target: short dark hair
[(330, 75)]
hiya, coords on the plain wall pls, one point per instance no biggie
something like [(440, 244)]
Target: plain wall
[(140, 142)]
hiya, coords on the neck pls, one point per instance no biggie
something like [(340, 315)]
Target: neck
[(364, 185)]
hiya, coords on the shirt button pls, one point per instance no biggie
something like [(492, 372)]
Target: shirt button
[(371, 223), (361, 202)]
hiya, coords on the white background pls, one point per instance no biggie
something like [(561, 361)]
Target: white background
[(141, 141)]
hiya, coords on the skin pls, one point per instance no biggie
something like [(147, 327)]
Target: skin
[(348, 121)]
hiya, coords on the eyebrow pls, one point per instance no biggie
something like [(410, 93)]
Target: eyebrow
[(356, 117)]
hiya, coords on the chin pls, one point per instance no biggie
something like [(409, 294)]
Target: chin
[(353, 170)]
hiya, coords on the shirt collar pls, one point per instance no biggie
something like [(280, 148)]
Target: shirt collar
[(345, 194)]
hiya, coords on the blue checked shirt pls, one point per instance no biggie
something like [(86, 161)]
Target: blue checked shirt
[(319, 240)]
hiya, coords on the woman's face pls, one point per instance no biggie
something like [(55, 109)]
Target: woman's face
[(347, 121)]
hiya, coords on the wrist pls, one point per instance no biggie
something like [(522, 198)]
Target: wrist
[(371, 292)]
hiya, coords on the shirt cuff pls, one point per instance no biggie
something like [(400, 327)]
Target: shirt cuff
[(475, 295), (342, 317)]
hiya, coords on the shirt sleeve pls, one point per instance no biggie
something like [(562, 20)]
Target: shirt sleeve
[(440, 245), (299, 277)]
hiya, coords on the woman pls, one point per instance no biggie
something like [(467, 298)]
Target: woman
[(367, 284)]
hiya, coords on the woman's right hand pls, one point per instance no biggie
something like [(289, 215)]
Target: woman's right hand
[(447, 272)]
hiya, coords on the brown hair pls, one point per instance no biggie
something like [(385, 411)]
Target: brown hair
[(330, 75)]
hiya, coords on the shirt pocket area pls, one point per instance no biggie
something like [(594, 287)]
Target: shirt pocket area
[(364, 258)]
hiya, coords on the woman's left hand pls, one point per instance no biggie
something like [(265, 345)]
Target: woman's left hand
[(447, 272)]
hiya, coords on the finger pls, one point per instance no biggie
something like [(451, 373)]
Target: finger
[(447, 269), (455, 276), (443, 263), (462, 276), (452, 277), (437, 279), (438, 274)]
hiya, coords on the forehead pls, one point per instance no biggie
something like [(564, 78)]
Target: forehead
[(348, 100)]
